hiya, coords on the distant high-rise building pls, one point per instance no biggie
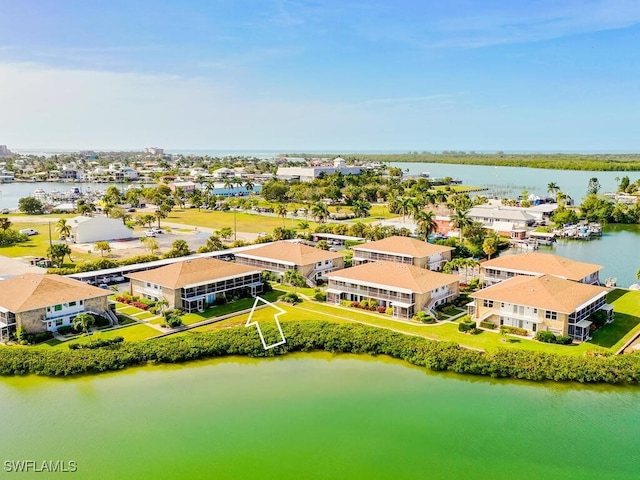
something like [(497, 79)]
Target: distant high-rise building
[(155, 150), (4, 151)]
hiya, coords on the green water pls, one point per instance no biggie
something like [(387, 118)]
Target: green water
[(316, 416)]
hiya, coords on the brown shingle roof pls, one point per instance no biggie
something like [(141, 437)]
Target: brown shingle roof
[(546, 292), (395, 275), (543, 263), (290, 252), (193, 271), (403, 245), (32, 291)]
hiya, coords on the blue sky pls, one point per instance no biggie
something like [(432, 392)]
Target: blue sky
[(321, 75)]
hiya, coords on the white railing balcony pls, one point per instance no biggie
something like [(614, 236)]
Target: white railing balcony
[(64, 312), (517, 316), (148, 291)]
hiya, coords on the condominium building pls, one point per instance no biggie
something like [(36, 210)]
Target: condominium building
[(403, 250)]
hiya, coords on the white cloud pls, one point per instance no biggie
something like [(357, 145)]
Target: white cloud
[(544, 20), (54, 108)]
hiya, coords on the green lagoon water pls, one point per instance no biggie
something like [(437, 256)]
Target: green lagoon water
[(315, 416)]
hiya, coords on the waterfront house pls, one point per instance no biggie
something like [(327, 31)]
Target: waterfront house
[(187, 187), (278, 257), (193, 284), (488, 214), (94, 229), (535, 263), (405, 288), (403, 250), (311, 172), (46, 302), (541, 303)]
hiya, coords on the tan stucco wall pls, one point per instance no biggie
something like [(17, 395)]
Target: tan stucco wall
[(32, 320), (98, 305)]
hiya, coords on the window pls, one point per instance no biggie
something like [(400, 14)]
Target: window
[(549, 315), (58, 322), (487, 303), (57, 308), (72, 304)]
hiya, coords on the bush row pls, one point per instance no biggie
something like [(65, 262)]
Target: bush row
[(514, 330), (550, 337), (331, 337), (103, 263), (97, 343)]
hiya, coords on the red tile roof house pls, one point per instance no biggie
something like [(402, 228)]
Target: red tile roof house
[(405, 288), (278, 257), (46, 302), (403, 250), (193, 284), (536, 263), (541, 303)]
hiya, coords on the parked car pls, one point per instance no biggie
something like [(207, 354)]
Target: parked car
[(263, 234), (131, 210), (150, 233), (28, 231), (5, 211), (157, 230), (104, 285), (117, 278)]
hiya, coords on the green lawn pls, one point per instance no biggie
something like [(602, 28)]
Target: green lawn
[(220, 310), (127, 310), (246, 222), (626, 305), (130, 333), (442, 331), (310, 292)]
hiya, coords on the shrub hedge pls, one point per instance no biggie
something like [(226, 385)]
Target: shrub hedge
[(514, 330), (337, 338)]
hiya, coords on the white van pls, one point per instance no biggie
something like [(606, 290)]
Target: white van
[(28, 231)]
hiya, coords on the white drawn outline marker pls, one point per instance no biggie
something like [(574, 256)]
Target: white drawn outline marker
[(257, 324)]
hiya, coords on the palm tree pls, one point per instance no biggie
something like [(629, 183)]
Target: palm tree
[(159, 214), (5, 223), (294, 278), (228, 184), (281, 211), (361, 208), (303, 225), (83, 321), (405, 204), (426, 223), (161, 305), (460, 220), (248, 185), (57, 252), (552, 188), (320, 212), (84, 208), (146, 219), (208, 189)]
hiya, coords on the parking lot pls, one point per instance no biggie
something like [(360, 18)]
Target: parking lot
[(135, 246)]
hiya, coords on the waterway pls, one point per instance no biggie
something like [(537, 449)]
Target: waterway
[(509, 181), (316, 416), (617, 250), (11, 193)]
